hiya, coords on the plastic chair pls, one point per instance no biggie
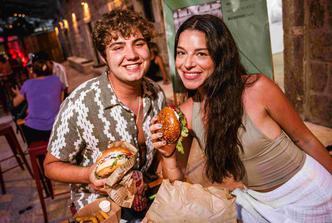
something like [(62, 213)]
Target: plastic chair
[(7, 131)]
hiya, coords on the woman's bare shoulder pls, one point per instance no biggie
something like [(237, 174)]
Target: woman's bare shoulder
[(260, 85)]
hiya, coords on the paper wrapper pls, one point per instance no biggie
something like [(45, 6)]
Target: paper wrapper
[(119, 185), (92, 208), (185, 202)]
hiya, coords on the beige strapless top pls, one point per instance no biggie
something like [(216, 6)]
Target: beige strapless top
[(268, 162)]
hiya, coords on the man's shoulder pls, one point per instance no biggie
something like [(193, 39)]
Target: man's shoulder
[(87, 87), (59, 65), (151, 86)]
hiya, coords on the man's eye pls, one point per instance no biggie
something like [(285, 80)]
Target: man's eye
[(117, 48), (140, 44)]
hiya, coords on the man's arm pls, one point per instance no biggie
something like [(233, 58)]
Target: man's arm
[(56, 169)]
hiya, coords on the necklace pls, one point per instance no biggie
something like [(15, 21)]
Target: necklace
[(139, 101), (139, 108)]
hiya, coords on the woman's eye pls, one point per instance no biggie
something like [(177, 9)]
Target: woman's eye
[(179, 53), (201, 54)]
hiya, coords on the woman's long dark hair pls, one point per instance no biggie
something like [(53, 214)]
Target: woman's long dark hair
[(223, 98)]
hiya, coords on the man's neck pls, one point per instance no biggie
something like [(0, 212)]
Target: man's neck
[(125, 92)]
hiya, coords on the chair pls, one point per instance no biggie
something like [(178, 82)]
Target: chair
[(37, 150), (7, 131)]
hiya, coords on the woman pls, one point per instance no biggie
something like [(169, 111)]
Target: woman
[(157, 71), (246, 135), (44, 95)]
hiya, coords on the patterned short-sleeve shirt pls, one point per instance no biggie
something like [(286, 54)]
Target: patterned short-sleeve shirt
[(91, 118)]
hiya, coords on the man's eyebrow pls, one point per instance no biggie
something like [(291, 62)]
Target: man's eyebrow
[(117, 43), (123, 42), (139, 39)]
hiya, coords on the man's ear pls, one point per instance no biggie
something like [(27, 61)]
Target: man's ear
[(103, 59)]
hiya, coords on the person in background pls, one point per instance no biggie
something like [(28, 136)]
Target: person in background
[(56, 68), (248, 130), (116, 106), (5, 76), (157, 71), (44, 95), (5, 67)]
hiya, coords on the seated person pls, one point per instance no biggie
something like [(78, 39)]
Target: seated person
[(157, 71), (43, 95), (56, 68)]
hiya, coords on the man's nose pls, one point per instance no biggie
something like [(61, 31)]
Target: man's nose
[(131, 53)]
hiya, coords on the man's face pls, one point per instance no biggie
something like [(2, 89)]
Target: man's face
[(128, 59)]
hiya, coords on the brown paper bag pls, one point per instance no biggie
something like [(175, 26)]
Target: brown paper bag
[(185, 202), (91, 209), (119, 185)]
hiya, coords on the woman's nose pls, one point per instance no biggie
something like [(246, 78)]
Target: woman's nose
[(189, 62)]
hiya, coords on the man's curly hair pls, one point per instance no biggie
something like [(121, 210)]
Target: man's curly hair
[(119, 22)]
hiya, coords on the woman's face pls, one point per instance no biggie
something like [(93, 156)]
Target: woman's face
[(193, 61)]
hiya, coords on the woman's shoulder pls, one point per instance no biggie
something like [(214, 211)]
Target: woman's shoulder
[(259, 82), (260, 88)]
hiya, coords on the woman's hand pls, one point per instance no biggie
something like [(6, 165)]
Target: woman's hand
[(16, 90), (167, 150), (18, 98), (96, 184)]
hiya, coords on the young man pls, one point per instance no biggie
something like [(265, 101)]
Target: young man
[(118, 105)]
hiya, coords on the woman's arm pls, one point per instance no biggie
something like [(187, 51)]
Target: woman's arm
[(170, 167), (281, 111), (160, 63)]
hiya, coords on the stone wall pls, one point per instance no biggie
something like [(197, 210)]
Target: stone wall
[(318, 60), (308, 58), (293, 22)]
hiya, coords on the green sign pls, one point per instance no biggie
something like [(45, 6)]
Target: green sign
[(246, 19)]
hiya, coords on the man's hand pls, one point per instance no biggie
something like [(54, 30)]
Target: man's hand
[(96, 184)]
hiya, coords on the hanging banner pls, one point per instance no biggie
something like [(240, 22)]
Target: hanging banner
[(246, 19)]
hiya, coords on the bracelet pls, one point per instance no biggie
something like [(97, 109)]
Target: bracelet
[(168, 156)]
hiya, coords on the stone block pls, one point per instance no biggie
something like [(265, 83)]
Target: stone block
[(320, 110), (329, 11), (318, 77), (329, 81), (320, 44), (81, 64), (316, 15)]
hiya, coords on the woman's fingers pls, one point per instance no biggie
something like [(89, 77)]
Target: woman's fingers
[(159, 144), (155, 127), (156, 136)]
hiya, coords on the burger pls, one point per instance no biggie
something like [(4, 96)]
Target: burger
[(111, 159), (174, 126)]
